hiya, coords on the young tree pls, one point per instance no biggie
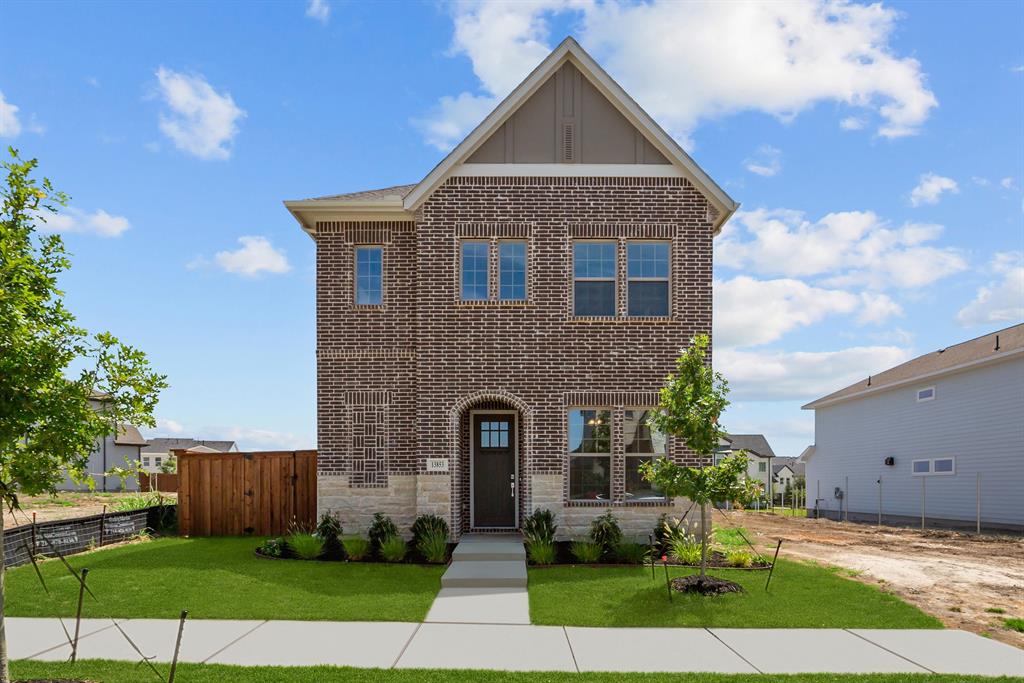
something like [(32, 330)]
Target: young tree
[(691, 401), (48, 423)]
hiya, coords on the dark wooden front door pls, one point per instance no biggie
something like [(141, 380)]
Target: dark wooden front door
[(494, 470)]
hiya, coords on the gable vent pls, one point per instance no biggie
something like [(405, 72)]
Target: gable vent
[(568, 141)]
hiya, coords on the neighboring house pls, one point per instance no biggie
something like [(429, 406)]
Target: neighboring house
[(159, 450), (784, 474), (940, 428), (110, 451), (759, 456), (490, 338)]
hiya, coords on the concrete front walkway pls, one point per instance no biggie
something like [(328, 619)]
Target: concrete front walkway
[(524, 647), (485, 583)]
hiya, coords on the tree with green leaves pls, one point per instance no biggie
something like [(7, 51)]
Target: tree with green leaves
[(61, 389), (690, 404)]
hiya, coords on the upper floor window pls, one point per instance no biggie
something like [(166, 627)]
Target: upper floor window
[(926, 394), (474, 270), (590, 454), (594, 271), (643, 444), (512, 271), (647, 276), (762, 467), (369, 275)]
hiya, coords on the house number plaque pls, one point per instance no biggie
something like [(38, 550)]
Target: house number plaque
[(437, 464)]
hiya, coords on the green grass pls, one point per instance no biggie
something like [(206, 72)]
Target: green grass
[(802, 596), (220, 578), (1014, 624), (129, 672), (780, 511)]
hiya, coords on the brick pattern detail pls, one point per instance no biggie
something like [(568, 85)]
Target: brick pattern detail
[(438, 359)]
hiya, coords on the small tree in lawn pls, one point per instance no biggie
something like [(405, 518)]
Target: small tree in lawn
[(690, 403), (48, 423)]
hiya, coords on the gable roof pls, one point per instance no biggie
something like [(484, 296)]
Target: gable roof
[(973, 352), (127, 435), (806, 454), (401, 204), (166, 445), (752, 442)]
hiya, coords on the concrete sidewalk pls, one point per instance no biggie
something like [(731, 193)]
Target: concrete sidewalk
[(525, 647)]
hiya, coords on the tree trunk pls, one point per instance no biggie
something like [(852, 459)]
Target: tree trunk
[(703, 540), (5, 671)]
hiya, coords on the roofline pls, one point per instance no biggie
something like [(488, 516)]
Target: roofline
[(825, 402), (570, 50), (308, 211)]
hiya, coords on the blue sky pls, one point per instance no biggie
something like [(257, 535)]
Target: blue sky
[(877, 151)]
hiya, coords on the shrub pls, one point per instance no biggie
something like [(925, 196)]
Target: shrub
[(272, 547), (393, 549), (605, 532), (739, 558), (356, 547), (431, 524), (329, 531), (433, 545), (586, 552), (631, 553), (306, 545), (135, 502), (685, 549), (541, 552), (381, 529), (540, 527), (660, 532)]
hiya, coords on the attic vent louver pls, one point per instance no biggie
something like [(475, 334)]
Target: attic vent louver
[(568, 142)]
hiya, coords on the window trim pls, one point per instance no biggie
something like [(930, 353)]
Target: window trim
[(614, 279), (667, 279), (627, 455), (609, 456), (931, 467), (927, 398), (355, 274), (462, 270), (526, 268)]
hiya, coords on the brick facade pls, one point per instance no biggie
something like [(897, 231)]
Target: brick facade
[(396, 381)]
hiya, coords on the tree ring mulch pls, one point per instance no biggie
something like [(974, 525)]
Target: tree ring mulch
[(705, 585)]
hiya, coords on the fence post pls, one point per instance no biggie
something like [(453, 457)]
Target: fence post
[(978, 495), (922, 502), (177, 646), (78, 614), (879, 500), (846, 498), (33, 533), (103, 520)]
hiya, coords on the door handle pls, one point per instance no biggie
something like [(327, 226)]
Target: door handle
[(512, 484)]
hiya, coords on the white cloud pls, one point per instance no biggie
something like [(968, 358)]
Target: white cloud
[(1001, 301), (877, 308), (10, 126), (852, 123), (1017, 69), (200, 121), (167, 426), (452, 117), (847, 248), (93, 81), (930, 188), (247, 438), (256, 256), (801, 375), (779, 58), (72, 220), (980, 181), (766, 162), (318, 10), (1006, 183), (749, 312)]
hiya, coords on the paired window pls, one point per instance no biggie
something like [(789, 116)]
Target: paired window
[(595, 276), (643, 444), (475, 259), (933, 466), (369, 275), (926, 394), (590, 454)]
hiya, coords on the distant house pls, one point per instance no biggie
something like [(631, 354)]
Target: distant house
[(785, 471), (155, 454), (110, 451), (759, 454), (928, 434)]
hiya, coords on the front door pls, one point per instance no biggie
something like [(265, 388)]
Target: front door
[(494, 470)]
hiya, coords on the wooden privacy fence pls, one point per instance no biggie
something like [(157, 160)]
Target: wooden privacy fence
[(230, 494)]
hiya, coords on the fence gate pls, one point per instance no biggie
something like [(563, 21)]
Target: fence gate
[(230, 494)]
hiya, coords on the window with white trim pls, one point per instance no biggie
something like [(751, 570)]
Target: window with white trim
[(145, 461), (590, 454), (933, 466), (594, 272), (926, 394), (643, 444), (647, 279)]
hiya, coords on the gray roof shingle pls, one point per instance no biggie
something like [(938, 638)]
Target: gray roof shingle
[(752, 442)]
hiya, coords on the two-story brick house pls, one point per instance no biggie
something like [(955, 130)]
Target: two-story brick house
[(488, 339)]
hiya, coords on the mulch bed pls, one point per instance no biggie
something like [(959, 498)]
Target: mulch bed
[(705, 585)]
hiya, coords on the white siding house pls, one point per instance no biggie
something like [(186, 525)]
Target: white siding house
[(928, 434)]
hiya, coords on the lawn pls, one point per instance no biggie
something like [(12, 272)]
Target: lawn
[(802, 596), (220, 578), (128, 672)]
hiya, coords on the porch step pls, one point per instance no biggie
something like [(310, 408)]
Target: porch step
[(485, 574), (495, 551)]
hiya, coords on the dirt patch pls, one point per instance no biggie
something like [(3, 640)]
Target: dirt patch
[(705, 585), (68, 505), (951, 575)]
